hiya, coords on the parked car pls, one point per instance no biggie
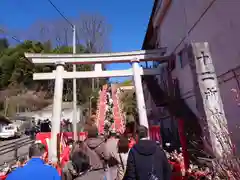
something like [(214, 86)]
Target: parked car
[(10, 131), (25, 124)]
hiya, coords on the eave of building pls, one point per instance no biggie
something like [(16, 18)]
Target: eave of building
[(158, 19), (155, 21), (149, 31)]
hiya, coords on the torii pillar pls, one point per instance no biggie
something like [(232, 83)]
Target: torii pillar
[(143, 120), (56, 111)]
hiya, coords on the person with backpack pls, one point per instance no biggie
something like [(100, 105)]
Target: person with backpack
[(97, 144), (73, 169), (147, 160), (97, 151)]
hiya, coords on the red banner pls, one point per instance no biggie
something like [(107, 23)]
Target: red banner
[(44, 138), (154, 133), (183, 141)]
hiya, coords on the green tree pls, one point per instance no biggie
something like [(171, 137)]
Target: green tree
[(129, 105), (3, 44), (127, 83), (16, 74)]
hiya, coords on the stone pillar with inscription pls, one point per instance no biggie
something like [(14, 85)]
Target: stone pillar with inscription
[(214, 112)]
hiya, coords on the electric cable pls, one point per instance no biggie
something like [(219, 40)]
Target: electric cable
[(13, 37), (61, 14), (195, 24)]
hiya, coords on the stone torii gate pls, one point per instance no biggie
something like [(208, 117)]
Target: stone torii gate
[(60, 74)]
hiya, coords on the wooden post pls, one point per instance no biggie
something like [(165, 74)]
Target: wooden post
[(16, 151), (6, 105), (212, 102)]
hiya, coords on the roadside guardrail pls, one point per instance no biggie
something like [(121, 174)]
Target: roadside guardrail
[(13, 147)]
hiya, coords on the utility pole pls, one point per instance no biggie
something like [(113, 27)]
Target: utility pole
[(74, 121), (93, 81), (90, 106)]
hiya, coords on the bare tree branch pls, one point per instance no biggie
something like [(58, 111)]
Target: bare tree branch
[(94, 32)]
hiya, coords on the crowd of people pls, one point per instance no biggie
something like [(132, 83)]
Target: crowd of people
[(129, 156), (98, 157)]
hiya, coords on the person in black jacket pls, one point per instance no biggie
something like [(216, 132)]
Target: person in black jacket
[(147, 160)]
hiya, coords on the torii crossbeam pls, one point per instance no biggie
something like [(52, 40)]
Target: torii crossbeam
[(61, 59)]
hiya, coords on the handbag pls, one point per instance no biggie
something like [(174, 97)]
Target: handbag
[(121, 161)]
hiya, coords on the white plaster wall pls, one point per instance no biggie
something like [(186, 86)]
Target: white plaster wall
[(66, 114), (221, 28)]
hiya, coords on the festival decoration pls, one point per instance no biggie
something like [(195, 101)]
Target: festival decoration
[(109, 120)]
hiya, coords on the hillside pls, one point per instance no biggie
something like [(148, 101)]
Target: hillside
[(18, 91), (128, 101)]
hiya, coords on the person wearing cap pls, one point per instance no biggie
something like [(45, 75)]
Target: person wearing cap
[(35, 168)]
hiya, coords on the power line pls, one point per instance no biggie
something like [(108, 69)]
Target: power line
[(64, 17), (195, 24), (13, 37), (74, 70)]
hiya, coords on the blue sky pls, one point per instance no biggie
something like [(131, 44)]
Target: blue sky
[(128, 18)]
